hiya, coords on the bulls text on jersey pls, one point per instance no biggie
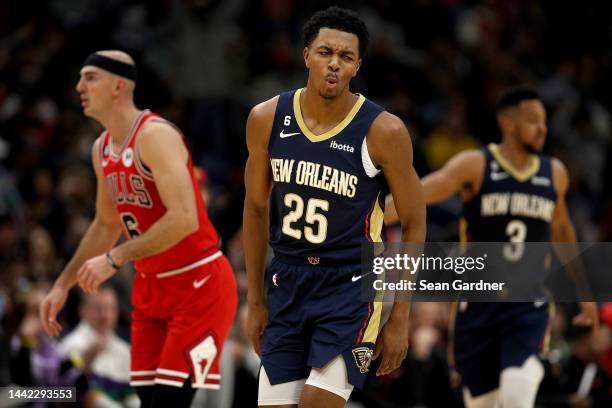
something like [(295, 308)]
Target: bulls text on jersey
[(128, 190)]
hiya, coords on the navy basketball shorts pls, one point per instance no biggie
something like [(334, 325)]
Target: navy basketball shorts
[(315, 314), (489, 337)]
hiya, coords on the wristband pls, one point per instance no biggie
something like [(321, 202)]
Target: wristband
[(110, 261)]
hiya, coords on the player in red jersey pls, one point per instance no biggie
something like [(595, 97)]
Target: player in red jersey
[(184, 292)]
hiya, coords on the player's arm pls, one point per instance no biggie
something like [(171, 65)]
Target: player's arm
[(463, 171), (563, 231), (562, 227), (162, 148), (255, 224), (396, 164), (101, 235)]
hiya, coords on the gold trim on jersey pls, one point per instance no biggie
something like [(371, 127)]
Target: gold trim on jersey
[(520, 175), (371, 332), (297, 110), (376, 221)]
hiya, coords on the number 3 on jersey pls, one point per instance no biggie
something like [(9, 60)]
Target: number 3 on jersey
[(516, 231), (314, 218), (131, 224)]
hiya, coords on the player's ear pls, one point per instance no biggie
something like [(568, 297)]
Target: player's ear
[(358, 65), (306, 56), (505, 122), (119, 85), (501, 121)]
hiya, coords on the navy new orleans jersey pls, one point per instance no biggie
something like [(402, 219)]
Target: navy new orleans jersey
[(324, 205), (513, 207), (327, 200)]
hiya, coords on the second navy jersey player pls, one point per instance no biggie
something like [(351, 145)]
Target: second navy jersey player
[(512, 194), (495, 345), (515, 207), (327, 197)]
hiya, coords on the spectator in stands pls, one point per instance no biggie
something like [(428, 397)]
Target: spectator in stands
[(104, 356), (580, 380), (35, 358)]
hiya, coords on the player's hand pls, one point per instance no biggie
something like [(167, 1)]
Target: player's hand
[(257, 318), (589, 315), (392, 343), (50, 307), (94, 272)]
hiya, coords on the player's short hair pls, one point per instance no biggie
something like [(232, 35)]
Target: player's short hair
[(337, 18), (514, 96)]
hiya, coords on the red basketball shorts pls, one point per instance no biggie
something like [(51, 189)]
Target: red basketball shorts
[(180, 320)]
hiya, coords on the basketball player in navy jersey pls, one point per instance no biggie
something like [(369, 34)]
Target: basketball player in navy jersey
[(320, 159), (496, 344)]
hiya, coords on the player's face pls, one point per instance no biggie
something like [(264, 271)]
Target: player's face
[(332, 59), (531, 125), (94, 88)]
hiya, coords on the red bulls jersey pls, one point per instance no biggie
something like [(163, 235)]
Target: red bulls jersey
[(134, 193)]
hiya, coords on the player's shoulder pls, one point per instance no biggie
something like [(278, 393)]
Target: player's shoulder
[(386, 129), (470, 156), (560, 174), (557, 165), (264, 111), (467, 160), (468, 164), (260, 123), (158, 128), (388, 140), (388, 123), (155, 133)]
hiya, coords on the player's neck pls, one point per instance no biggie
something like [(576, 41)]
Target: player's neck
[(518, 157), (322, 114), (120, 122)]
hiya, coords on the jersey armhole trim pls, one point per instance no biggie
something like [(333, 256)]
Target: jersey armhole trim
[(101, 141), (368, 165), (278, 113), (140, 166)]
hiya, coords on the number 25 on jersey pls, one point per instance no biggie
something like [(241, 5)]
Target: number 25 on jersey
[(316, 231)]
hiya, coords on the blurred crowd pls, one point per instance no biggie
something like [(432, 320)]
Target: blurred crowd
[(437, 64)]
